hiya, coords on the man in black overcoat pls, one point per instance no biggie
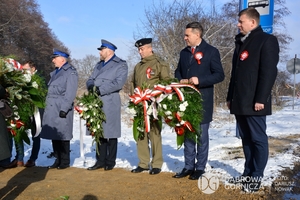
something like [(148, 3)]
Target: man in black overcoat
[(254, 70)]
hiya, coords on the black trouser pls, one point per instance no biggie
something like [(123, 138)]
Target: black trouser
[(61, 148), (255, 144), (107, 152)]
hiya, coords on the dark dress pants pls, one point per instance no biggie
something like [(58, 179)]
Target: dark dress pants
[(62, 149), (36, 142), (193, 151), (255, 144), (107, 152)]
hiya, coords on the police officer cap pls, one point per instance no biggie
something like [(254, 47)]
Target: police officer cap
[(143, 41), (57, 53), (107, 44)]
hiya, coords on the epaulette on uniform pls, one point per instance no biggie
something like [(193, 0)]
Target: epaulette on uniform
[(161, 61), (119, 60)]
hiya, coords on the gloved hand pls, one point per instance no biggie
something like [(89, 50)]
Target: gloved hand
[(97, 90), (62, 114), (90, 88)]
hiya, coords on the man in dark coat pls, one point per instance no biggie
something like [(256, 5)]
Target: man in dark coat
[(200, 65), (59, 111), (5, 140), (254, 70), (108, 77)]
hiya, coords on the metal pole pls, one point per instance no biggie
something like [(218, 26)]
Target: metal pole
[(81, 138)]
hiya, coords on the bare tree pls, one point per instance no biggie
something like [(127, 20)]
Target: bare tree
[(281, 86), (165, 22), (84, 68), (24, 33)]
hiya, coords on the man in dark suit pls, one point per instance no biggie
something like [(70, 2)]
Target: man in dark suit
[(200, 65), (254, 70)]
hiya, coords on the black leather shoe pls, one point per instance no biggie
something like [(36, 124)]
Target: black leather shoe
[(51, 155), (107, 168), (63, 166), (138, 170), (196, 175), (155, 171), (96, 166), (185, 172), (55, 165)]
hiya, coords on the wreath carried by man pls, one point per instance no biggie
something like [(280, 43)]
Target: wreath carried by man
[(178, 105), (26, 92)]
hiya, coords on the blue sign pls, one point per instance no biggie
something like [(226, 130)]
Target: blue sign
[(265, 9)]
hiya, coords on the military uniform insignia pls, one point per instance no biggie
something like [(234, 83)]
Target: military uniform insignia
[(149, 72), (244, 55), (198, 56)]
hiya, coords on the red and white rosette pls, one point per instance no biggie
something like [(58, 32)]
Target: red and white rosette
[(148, 72), (198, 56), (244, 55)]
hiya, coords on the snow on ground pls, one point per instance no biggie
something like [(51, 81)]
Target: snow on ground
[(282, 123)]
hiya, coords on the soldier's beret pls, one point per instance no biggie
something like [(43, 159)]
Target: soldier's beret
[(57, 53), (143, 41), (107, 44)]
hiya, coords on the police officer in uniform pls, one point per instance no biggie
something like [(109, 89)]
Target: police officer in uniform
[(108, 78), (58, 115), (149, 70)]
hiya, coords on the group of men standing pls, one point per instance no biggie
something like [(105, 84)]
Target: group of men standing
[(254, 69)]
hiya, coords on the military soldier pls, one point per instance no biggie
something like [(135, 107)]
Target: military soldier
[(149, 70), (108, 77), (59, 111)]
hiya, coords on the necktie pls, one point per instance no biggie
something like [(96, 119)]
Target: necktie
[(193, 50)]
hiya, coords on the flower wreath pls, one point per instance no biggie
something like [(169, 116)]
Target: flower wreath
[(180, 105), (89, 108), (26, 92)]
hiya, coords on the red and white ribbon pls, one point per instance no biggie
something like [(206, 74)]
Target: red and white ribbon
[(176, 87), (78, 109), (184, 124), (151, 95), (16, 64), (143, 97)]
